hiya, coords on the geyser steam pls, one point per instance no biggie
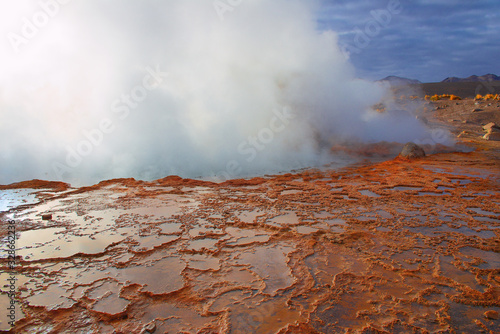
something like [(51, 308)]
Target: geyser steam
[(146, 89)]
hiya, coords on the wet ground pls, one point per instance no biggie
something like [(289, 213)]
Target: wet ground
[(393, 247)]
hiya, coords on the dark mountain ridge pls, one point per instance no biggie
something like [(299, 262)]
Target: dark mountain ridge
[(474, 78)]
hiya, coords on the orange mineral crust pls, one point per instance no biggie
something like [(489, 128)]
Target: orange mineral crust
[(401, 246)]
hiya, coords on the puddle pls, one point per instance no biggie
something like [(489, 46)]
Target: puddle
[(40, 237), (266, 317), (384, 214), (149, 242), (286, 219), (12, 198), (402, 188), (170, 228), (484, 212), (178, 319), (162, 277), (491, 260), (427, 193), (112, 304), (53, 297), (336, 221), (163, 212), (206, 229), (306, 229), (369, 193), (337, 229), (486, 219), (466, 318), (201, 244), (68, 245), (202, 262), (460, 181), (270, 263), (323, 215), (240, 237), (249, 217), (290, 192), (460, 276)]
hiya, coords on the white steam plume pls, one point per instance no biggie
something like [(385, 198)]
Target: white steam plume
[(251, 88)]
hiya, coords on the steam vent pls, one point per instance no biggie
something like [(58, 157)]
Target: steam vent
[(400, 246)]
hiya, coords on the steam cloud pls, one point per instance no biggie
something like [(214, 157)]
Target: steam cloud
[(149, 88)]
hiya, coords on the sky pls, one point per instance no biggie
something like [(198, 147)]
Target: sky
[(428, 40)]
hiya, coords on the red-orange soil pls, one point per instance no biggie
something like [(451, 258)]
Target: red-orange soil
[(392, 247)]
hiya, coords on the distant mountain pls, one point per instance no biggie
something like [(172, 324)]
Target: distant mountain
[(474, 78), (399, 81)]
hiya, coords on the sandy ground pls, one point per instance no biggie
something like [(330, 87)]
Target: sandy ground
[(392, 247)]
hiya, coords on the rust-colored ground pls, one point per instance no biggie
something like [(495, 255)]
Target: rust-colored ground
[(394, 247)]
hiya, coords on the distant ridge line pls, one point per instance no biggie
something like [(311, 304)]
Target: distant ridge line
[(474, 78), (401, 81)]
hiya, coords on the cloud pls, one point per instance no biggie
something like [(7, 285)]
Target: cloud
[(429, 40)]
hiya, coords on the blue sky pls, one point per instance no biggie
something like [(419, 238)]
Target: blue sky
[(427, 40)]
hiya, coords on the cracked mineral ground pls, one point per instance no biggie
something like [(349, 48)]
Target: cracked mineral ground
[(380, 247)]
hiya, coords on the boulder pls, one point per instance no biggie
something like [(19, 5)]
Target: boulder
[(492, 135), (492, 132), (490, 126), (412, 151), (491, 314)]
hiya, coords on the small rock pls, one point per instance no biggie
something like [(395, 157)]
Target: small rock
[(492, 135), (491, 314), (47, 216), (150, 327), (477, 110), (412, 151), (463, 133)]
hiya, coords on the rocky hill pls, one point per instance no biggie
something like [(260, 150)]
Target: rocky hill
[(400, 81), (474, 78)]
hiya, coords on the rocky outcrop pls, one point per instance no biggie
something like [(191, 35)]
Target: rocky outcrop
[(492, 132), (412, 151)]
